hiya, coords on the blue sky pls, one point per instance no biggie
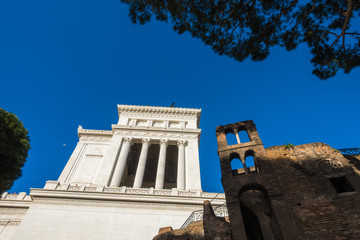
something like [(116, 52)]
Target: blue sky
[(68, 63)]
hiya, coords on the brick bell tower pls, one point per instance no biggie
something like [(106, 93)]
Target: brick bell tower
[(256, 205)]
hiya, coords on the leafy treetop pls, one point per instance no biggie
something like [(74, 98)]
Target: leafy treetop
[(14, 146), (248, 28)]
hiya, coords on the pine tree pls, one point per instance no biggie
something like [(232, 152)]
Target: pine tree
[(14, 146), (248, 28)]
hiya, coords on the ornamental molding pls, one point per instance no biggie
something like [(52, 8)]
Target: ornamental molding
[(95, 139), (124, 204), (82, 131), (155, 129), (128, 139), (14, 196), (162, 116), (13, 210), (181, 142), (10, 222), (146, 141), (156, 196), (151, 134), (158, 111)]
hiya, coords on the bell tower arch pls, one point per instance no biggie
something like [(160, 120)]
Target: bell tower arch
[(256, 205)]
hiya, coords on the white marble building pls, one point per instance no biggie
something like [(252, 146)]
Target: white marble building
[(120, 184)]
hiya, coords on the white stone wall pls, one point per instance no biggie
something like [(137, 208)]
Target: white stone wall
[(94, 160), (13, 207), (81, 205), (98, 220), (162, 117), (77, 215)]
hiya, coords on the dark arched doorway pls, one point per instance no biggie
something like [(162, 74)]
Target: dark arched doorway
[(257, 214)]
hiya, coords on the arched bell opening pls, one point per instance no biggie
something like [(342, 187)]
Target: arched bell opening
[(230, 137), (243, 135), (237, 165), (257, 214), (250, 161)]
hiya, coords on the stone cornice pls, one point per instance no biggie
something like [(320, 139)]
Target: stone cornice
[(156, 129), (16, 203), (144, 132), (82, 132), (125, 197), (21, 200), (137, 132), (115, 128), (159, 110)]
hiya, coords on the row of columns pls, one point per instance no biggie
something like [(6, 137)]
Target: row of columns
[(160, 173)]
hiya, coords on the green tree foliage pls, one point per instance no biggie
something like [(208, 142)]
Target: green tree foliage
[(14, 146), (248, 28)]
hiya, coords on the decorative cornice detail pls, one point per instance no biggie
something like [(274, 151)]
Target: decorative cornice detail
[(14, 196), (164, 142), (82, 131), (151, 134), (94, 139), (10, 222), (158, 110), (128, 139), (132, 191), (146, 141), (181, 142)]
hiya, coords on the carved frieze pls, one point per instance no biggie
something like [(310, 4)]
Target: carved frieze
[(95, 139), (155, 134)]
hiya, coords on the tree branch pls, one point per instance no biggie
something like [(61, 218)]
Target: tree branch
[(276, 20), (302, 19)]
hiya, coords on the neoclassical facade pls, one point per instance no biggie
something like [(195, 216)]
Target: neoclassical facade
[(125, 183)]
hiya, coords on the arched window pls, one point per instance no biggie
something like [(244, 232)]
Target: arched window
[(257, 214), (250, 160), (243, 135), (230, 137), (237, 166)]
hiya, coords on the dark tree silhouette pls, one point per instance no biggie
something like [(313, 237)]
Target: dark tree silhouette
[(248, 28), (14, 146)]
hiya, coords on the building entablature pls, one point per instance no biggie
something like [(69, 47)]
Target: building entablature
[(141, 110), (56, 189), (20, 200), (159, 116), (156, 133)]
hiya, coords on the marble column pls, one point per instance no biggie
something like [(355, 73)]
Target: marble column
[(139, 176), (121, 162), (160, 173), (181, 165)]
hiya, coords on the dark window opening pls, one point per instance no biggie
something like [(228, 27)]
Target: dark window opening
[(171, 167), (257, 214), (151, 166), (341, 184), (131, 165), (252, 224)]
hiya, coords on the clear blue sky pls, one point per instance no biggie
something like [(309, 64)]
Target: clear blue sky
[(68, 63)]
